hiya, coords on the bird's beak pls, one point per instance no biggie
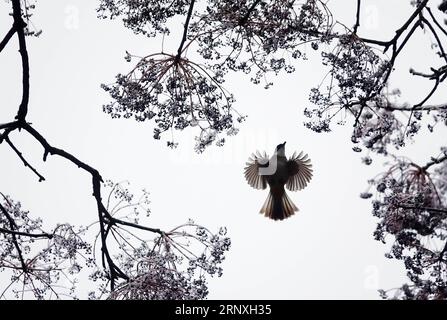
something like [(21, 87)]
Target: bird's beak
[(284, 143)]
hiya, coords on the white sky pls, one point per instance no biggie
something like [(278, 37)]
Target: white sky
[(326, 251)]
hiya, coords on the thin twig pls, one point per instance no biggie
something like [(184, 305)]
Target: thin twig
[(433, 162), (26, 234), (185, 30), (7, 38), (12, 226), (25, 162), (357, 19)]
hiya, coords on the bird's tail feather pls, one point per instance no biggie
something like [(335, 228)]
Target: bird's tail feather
[(278, 207)]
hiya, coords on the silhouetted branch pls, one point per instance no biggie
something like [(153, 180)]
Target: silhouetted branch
[(393, 41), (26, 163), (20, 27), (438, 210), (26, 234), (185, 30), (435, 34), (434, 161), (136, 226), (357, 18), (7, 38), (411, 108), (13, 226), (442, 28), (105, 219), (438, 76), (11, 125)]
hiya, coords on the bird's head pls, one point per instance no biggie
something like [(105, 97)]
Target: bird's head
[(281, 149)]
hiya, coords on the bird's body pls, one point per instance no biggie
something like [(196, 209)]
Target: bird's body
[(276, 183), (278, 173), (281, 174)]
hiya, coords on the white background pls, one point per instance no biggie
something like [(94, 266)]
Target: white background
[(325, 251)]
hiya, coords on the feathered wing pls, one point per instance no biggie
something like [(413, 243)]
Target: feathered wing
[(251, 170), (300, 171)]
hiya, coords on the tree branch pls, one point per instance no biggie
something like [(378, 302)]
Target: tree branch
[(20, 26), (404, 108), (435, 34), (10, 125), (7, 38), (104, 216), (423, 208), (436, 21), (26, 163), (26, 234), (357, 19), (185, 30), (393, 41), (12, 226), (136, 226), (433, 162)]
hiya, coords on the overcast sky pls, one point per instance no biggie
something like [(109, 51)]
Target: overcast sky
[(325, 251)]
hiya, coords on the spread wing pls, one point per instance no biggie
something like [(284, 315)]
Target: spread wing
[(300, 171), (251, 170)]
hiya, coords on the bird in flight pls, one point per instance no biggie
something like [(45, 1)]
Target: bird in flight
[(277, 172)]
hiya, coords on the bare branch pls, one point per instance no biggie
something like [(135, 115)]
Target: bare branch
[(6, 39), (20, 26), (357, 19), (434, 161), (12, 226), (185, 30), (26, 234), (26, 163)]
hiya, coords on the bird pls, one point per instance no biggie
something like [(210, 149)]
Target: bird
[(278, 172)]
